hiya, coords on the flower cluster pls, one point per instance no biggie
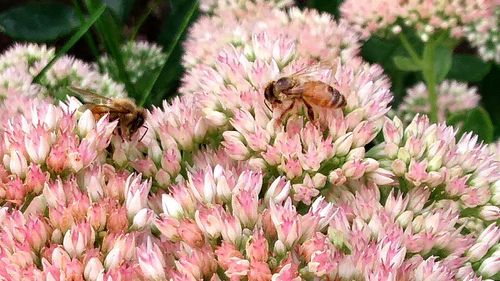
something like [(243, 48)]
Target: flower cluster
[(453, 97), (236, 25), (139, 58), (485, 36), (209, 6), (471, 19), (220, 185), (231, 94), (427, 155), (21, 63)]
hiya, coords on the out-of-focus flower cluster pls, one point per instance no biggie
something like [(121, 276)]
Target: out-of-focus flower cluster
[(209, 6), (239, 22), (22, 62), (474, 20), (485, 36), (214, 188), (453, 97), (139, 58)]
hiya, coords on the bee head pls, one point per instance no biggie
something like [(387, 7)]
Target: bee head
[(138, 121), (284, 83)]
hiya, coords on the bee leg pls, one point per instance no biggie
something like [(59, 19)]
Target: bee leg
[(279, 120), (310, 113)]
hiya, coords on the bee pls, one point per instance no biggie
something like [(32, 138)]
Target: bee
[(130, 116), (298, 89)]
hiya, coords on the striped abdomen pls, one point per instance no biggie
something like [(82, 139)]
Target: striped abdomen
[(322, 95)]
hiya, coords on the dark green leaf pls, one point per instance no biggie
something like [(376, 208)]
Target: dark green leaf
[(378, 50), (110, 35), (83, 30), (405, 63), (442, 62), (330, 6), (468, 68), (170, 37), (120, 8), (476, 120), (39, 22)]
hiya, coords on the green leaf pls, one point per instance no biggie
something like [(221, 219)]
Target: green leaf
[(468, 68), (406, 64), (476, 120), (39, 22), (442, 62), (110, 35), (120, 8), (170, 37), (377, 49), (330, 6), (72, 41)]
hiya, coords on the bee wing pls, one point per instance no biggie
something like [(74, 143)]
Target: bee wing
[(311, 70), (101, 108), (89, 96)]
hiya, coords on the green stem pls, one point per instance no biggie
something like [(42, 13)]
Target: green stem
[(429, 74), (153, 5), (430, 79), (409, 48)]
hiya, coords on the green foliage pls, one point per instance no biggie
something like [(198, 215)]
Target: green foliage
[(83, 30), (39, 22), (476, 120), (183, 13), (406, 64), (468, 68), (442, 62)]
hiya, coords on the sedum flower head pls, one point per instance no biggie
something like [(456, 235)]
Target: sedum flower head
[(237, 24), (453, 97), (231, 99), (427, 17), (485, 35), (21, 63), (427, 155), (139, 58), (211, 6)]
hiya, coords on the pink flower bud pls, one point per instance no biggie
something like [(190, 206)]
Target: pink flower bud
[(234, 146), (257, 249), (151, 261), (190, 233), (142, 219), (86, 123), (92, 269)]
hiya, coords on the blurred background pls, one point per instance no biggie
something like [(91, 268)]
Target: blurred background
[(166, 22)]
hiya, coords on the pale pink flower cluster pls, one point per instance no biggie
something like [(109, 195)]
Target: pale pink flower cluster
[(427, 17), (215, 189), (80, 218), (209, 6), (139, 58), (231, 94), (453, 97), (22, 62), (173, 133), (426, 155), (485, 36), (239, 22)]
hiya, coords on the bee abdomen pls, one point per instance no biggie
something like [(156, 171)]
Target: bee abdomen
[(337, 100)]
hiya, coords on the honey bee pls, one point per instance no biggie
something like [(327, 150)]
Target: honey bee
[(297, 88), (130, 116)]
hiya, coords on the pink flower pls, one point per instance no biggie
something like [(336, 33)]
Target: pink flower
[(151, 261), (453, 97)]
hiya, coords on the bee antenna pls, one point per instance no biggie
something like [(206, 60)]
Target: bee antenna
[(144, 133)]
